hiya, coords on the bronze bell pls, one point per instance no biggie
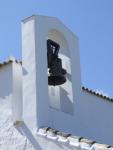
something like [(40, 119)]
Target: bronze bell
[(56, 72)]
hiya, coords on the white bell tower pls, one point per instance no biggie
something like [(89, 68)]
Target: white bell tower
[(43, 104)]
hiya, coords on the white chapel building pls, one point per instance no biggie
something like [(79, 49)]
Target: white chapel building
[(43, 105)]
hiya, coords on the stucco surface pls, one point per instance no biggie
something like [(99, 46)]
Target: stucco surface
[(71, 110)]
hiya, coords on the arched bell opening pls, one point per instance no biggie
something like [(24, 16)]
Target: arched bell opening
[(59, 72)]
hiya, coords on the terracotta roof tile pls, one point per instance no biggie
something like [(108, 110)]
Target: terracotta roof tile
[(9, 61), (97, 94), (75, 141)]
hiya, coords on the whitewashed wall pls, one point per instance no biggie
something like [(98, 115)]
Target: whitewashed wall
[(91, 117), (35, 80), (11, 89), (95, 115), (5, 81), (5, 91), (17, 95), (30, 86)]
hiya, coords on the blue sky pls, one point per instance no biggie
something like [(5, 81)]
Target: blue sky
[(91, 20)]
